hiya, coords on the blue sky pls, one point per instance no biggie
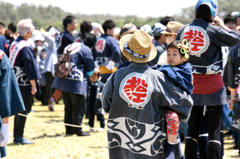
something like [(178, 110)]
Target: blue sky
[(143, 8)]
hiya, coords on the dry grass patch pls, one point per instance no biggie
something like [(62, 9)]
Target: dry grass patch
[(52, 143)]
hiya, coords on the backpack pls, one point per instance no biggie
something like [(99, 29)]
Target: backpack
[(63, 68)]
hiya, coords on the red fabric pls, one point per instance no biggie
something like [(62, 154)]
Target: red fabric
[(207, 84)]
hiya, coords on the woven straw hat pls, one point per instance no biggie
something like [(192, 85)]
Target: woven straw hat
[(141, 44), (127, 29), (172, 28)]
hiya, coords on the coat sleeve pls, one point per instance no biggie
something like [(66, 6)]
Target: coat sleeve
[(175, 98), (107, 93), (116, 55), (11, 101), (223, 37), (230, 68), (236, 109)]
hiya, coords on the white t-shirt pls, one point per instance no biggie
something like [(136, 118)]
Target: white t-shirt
[(52, 60)]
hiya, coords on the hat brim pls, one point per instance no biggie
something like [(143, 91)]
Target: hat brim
[(169, 33), (128, 32), (134, 59)]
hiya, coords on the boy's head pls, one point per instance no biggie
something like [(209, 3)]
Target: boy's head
[(85, 27), (2, 29), (177, 52), (89, 40), (95, 76), (230, 22), (12, 28), (108, 27), (43, 53), (70, 23)]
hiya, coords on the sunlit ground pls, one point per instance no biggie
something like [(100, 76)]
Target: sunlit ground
[(52, 143)]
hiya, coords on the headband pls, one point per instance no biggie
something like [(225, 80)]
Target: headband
[(184, 49)]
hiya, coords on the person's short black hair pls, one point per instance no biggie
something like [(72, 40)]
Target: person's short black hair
[(203, 12), (108, 24), (1, 23), (12, 27), (85, 27), (166, 19), (68, 20), (229, 18), (89, 39), (156, 37)]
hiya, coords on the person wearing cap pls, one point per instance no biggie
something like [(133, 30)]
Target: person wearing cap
[(97, 29), (50, 60), (38, 39), (128, 28), (106, 51), (170, 33), (10, 100), (138, 97), (159, 41), (206, 34), (27, 74)]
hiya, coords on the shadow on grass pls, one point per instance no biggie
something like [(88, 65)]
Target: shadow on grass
[(40, 111), (47, 116), (98, 147), (237, 156), (49, 136)]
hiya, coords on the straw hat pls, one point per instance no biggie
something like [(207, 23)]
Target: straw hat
[(138, 47), (127, 29), (172, 28)]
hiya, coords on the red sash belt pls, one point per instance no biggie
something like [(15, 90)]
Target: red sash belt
[(207, 84)]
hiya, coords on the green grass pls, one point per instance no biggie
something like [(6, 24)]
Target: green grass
[(52, 143)]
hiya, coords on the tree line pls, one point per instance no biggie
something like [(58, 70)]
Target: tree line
[(44, 16)]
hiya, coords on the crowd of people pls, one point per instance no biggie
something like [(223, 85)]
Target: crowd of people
[(160, 84)]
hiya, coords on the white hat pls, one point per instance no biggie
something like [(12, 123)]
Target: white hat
[(37, 35), (146, 28), (53, 31), (95, 25), (117, 31)]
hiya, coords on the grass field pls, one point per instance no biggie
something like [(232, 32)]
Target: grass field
[(52, 143)]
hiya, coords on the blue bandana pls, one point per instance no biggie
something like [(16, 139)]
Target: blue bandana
[(134, 54), (212, 5)]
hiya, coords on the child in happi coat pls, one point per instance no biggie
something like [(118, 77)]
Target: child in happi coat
[(180, 73), (95, 88)]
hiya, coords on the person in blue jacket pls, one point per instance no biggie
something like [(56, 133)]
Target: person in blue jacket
[(107, 52), (66, 38), (95, 87), (74, 86), (10, 100), (207, 34), (27, 74)]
